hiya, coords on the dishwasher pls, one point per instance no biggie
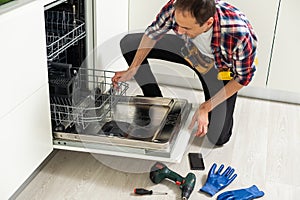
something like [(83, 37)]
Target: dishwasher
[(88, 114)]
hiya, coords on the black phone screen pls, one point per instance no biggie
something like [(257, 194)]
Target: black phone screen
[(196, 161)]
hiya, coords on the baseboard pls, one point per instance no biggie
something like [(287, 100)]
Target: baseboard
[(34, 174)]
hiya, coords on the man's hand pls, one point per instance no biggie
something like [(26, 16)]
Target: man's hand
[(143, 50), (201, 117), (123, 76)]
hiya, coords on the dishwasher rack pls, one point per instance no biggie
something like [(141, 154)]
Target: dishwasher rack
[(62, 31), (92, 99)]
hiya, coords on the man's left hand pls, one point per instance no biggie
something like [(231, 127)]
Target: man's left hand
[(201, 117)]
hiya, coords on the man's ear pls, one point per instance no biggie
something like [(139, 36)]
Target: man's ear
[(210, 21)]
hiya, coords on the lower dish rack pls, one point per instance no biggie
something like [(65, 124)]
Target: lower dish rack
[(92, 99)]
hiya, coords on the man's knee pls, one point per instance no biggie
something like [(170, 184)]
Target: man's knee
[(130, 41), (222, 138), (219, 140)]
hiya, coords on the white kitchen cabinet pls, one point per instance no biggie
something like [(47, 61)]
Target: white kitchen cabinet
[(141, 13), (25, 117), (26, 140), (264, 24), (284, 68), (23, 55), (111, 19), (110, 25)]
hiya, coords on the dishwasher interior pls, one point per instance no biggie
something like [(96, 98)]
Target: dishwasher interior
[(87, 112)]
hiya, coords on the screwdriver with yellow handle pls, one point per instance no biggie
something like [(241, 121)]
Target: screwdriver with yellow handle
[(142, 191)]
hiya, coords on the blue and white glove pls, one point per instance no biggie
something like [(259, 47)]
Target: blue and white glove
[(217, 181), (242, 194)]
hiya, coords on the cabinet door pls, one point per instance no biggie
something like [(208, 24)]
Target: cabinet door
[(23, 55), (26, 141), (25, 115), (284, 68), (141, 13), (111, 19), (263, 23), (110, 25)]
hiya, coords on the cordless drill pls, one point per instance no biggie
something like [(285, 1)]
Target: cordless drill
[(160, 171)]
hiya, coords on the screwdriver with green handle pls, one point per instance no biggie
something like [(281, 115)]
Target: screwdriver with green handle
[(142, 191)]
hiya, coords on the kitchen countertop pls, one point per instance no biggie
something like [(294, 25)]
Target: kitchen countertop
[(10, 6), (13, 5)]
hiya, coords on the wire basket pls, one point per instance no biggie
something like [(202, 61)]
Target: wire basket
[(62, 31), (92, 99)]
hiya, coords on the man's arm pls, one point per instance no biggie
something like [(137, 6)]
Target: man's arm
[(201, 115), (143, 50)]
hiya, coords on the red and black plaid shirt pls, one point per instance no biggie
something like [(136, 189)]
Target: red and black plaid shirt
[(233, 41)]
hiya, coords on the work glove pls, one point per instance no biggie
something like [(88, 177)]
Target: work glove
[(242, 194), (217, 181)]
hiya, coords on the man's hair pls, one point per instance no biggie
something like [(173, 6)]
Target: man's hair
[(202, 10)]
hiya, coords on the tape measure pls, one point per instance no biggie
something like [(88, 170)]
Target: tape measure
[(225, 75)]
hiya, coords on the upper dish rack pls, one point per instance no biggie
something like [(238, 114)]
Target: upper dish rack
[(62, 31)]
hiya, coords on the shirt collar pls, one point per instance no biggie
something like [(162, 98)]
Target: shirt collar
[(216, 37)]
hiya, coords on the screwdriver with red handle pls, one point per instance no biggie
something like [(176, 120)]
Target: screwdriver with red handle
[(142, 191)]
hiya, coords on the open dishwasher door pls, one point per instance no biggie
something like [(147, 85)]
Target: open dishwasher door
[(101, 119), (87, 114)]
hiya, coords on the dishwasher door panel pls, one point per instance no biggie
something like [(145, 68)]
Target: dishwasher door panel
[(173, 155), (154, 129)]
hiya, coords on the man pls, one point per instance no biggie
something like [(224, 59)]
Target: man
[(223, 37)]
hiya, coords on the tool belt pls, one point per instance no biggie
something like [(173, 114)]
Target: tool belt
[(196, 59)]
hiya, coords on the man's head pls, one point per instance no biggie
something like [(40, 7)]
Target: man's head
[(194, 16)]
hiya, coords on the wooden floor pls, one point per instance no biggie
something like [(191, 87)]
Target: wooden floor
[(264, 150)]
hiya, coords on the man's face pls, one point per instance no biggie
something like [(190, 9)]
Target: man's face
[(187, 24)]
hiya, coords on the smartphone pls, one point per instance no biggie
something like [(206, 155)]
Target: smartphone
[(196, 161)]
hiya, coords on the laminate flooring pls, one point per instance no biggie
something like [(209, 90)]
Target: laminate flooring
[(264, 150)]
